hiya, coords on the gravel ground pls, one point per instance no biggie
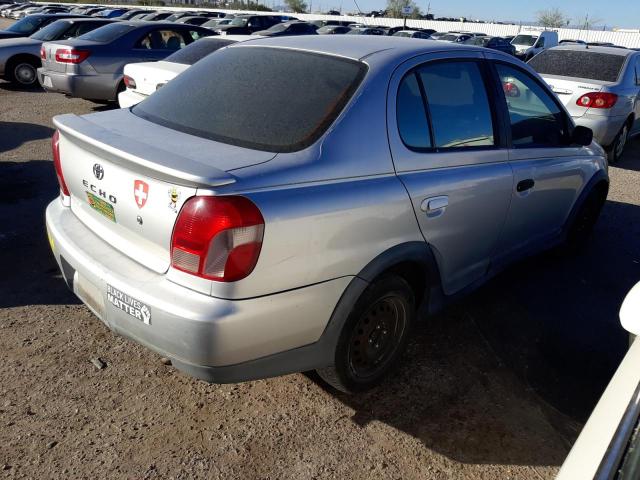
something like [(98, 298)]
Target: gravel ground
[(495, 387)]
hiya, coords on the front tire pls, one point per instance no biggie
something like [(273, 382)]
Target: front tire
[(374, 336)]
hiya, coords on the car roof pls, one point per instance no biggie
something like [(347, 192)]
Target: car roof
[(623, 52), (358, 47)]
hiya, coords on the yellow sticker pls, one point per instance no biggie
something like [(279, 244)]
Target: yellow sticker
[(51, 242)]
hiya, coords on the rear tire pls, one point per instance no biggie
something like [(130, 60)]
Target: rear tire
[(616, 149), (374, 336), (586, 218), (23, 72)]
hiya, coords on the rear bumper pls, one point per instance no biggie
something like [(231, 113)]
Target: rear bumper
[(92, 87), (214, 339), (604, 128), (129, 98)]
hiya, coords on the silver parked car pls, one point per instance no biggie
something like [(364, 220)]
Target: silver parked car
[(600, 87), (91, 66), (20, 57), (290, 204)]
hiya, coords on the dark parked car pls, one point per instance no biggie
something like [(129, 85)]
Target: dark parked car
[(20, 57), (296, 27), (156, 17), (111, 13), (31, 24), (412, 34), (193, 20), (132, 13), (367, 31), (248, 24), (178, 15), (91, 66), (494, 43), (333, 30)]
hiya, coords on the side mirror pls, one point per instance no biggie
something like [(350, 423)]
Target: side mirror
[(582, 136)]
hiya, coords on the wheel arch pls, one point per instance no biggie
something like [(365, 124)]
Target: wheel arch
[(599, 181)]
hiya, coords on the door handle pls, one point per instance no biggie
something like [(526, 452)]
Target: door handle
[(525, 185), (434, 205)]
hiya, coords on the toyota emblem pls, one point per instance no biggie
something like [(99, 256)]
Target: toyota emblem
[(98, 171)]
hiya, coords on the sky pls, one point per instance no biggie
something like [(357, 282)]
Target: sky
[(612, 13)]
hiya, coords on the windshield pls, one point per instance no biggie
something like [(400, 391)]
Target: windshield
[(526, 40), (270, 99), (239, 22), (108, 33), (579, 64), (449, 38), (51, 32), (356, 31), (27, 25)]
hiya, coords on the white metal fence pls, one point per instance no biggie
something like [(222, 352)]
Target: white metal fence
[(624, 39)]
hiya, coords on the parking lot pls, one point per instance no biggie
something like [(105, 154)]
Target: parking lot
[(496, 387)]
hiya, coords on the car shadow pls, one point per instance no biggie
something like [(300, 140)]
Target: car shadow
[(14, 134), (541, 340), (31, 275), (12, 87), (631, 157)]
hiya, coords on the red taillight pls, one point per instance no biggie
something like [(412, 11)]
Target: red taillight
[(218, 238), (597, 100), (129, 82), (43, 53), (55, 147), (71, 55)]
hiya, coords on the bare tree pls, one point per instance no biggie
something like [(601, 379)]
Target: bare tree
[(298, 6), (552, 18), (394, 8)]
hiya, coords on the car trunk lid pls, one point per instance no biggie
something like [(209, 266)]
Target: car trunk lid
[(569, 90), (128, 178), (152, 75)]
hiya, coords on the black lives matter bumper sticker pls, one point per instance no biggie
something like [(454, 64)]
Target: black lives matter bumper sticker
[(129, 305)]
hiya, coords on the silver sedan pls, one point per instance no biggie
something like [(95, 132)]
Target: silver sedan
[(20, 57), (295, 203), (600, 87)]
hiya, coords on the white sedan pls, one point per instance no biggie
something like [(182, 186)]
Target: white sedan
[(142, 79)]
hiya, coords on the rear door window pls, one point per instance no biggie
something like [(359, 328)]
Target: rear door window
[(579, 64), (411, 115), (271, 99), (458, 104)]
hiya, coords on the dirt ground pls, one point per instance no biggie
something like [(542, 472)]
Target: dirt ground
[(495, 387)]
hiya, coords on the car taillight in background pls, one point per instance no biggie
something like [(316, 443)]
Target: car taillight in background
[(129, 82), (55, 147), (597, 100), (71, 55), (43, 53), (218, 238)]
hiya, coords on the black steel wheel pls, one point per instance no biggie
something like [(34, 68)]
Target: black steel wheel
[(373, 337)]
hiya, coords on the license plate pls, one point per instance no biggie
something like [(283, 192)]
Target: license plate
[(46, 81), (102, 207)]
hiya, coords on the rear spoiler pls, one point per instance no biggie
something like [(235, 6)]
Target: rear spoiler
[(147, 159)]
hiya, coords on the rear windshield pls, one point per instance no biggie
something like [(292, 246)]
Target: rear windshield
[(277, 100), (198, 50), (108, 33), (579, 64), (27, 24)]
